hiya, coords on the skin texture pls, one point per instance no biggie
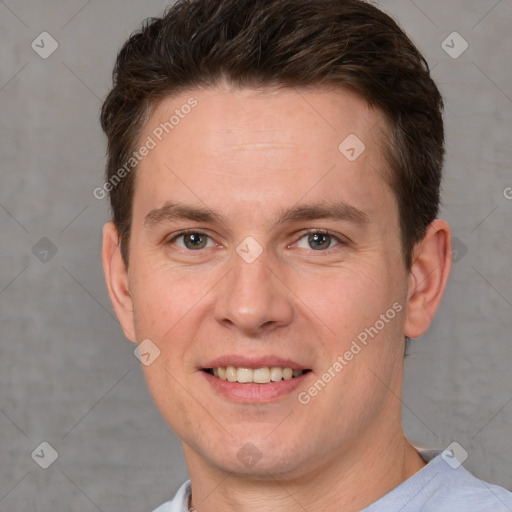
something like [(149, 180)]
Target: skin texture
[(249, 155)]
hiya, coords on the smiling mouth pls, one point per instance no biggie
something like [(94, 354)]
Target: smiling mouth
[(264, 375)]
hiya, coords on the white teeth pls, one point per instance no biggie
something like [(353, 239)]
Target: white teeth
[(276, 373), (231, 373), (262, 375), (244, 375)]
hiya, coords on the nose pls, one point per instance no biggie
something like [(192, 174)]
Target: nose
[(254, 297)]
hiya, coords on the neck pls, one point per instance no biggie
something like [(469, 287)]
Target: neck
[(349, 482)]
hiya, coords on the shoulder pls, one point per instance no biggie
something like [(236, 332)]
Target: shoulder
[(180, 501), (457, 489), (441, 487)]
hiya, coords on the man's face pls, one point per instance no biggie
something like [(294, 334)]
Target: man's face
[(293, 252)]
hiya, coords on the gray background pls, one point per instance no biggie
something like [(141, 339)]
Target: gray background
[(68, 376)]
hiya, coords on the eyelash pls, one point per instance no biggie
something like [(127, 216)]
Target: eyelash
[(184, 233), (340, 240)]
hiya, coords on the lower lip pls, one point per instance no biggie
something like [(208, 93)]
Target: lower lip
[(254, 393)]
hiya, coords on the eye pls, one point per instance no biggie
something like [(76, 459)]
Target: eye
[(192, 240), (318, 241)]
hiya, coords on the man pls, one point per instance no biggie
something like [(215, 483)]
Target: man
[(274, 171)]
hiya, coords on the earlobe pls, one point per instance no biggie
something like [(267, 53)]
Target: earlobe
[(116, 276), (432, 261)]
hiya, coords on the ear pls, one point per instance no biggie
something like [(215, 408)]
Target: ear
[(432, 262), (116, 275)]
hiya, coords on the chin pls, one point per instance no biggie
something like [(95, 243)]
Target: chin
[(256, 459), (264, 468)]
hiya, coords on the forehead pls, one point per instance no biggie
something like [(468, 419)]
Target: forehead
[(255, 148)]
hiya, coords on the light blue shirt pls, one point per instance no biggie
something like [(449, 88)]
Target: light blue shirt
[(437, 487)]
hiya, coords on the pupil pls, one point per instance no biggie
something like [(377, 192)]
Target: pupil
[(194, 240), (319, 240)]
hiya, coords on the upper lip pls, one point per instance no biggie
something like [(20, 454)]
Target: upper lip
[(253, 362)]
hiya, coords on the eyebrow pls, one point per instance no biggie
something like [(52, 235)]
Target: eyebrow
[(340, 211), (175, 211), (337, 211)]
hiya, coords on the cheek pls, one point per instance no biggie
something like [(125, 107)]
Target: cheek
[(171, 309), (346, 299), (360, 314), (163, 296)]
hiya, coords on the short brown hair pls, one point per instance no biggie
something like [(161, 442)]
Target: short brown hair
[(290, 43)]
